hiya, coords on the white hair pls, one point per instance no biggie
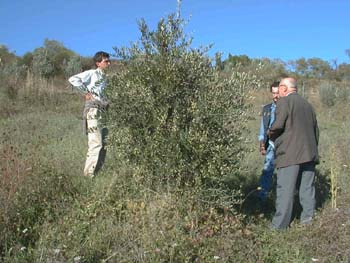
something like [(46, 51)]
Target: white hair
[(291, 83)]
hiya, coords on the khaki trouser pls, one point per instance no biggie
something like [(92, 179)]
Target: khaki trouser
[(95, 142)]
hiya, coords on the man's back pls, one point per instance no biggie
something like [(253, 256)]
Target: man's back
[(295, 131)]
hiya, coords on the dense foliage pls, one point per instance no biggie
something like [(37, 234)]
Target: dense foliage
[(172, 114)]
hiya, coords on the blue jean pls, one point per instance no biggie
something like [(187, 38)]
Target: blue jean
[(267, 173)]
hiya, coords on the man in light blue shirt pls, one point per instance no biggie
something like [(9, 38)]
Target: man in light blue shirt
[(267, 148), (91, 84)]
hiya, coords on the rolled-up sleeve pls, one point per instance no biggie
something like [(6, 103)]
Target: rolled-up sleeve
[(79, 81), (261, 131)]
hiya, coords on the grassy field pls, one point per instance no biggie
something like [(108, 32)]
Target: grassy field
[(51, 213)]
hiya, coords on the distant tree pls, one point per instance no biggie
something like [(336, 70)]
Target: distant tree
[(86, 63), (334, 64), (6, 56), (319, 68), (58, 55), (49, 60), (343, 71), (27, 59), (73, 66), (272, 69), (327, 91), (302, 67), (11, 73), (268, 70), (218, 62), (42, 64), (237, 60)]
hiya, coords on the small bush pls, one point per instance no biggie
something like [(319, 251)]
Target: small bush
[(28, 200), (11, 76), (327, 94), (42, 66), (73, 66), (334, 92)]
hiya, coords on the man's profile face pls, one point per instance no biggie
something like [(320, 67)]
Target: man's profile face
[(274, 93), (282, 89), (105, 63)]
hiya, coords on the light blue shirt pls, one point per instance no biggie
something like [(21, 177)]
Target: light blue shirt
[(272, 119), (92, 81)]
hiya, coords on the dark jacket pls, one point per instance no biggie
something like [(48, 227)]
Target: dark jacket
[(295, 131), (266, 116)]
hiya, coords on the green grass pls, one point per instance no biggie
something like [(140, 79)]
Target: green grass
[(118, 218)]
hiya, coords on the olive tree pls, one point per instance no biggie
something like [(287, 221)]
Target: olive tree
[(172, 115)]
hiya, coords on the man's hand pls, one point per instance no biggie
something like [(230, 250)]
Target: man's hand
[(88, 96), (268, 133), (262, 148)]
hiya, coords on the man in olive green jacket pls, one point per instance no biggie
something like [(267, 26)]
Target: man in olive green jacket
[(295, 135)]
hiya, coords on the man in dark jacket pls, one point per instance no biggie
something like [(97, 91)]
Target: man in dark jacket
[(266, 146), (295, 135)]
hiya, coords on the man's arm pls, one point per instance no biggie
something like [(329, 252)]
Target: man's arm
[(80, 81), (281, 115), (261, 138), (317, 131)]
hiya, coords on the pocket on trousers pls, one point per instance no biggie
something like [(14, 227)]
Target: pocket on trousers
[(92, 114), (92, 121)]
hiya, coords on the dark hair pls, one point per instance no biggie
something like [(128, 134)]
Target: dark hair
[(99, 56), (274, 84)]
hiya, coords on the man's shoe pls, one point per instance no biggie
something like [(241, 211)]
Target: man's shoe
[(306, 221), (262, 195), (91, 175)]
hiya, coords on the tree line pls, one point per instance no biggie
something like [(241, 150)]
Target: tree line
[(53, 59)]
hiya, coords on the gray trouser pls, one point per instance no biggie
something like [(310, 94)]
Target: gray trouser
[(286, 184)]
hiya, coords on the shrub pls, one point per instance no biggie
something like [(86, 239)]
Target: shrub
[(327, 94), (42, 66), (172, 114), (334, 92), (73, 66), (343, 92), (11, 75), (28, 199)]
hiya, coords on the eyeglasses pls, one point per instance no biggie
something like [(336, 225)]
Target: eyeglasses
[(106, 61)]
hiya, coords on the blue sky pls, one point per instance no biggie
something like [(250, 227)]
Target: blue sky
[(283, 29)]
